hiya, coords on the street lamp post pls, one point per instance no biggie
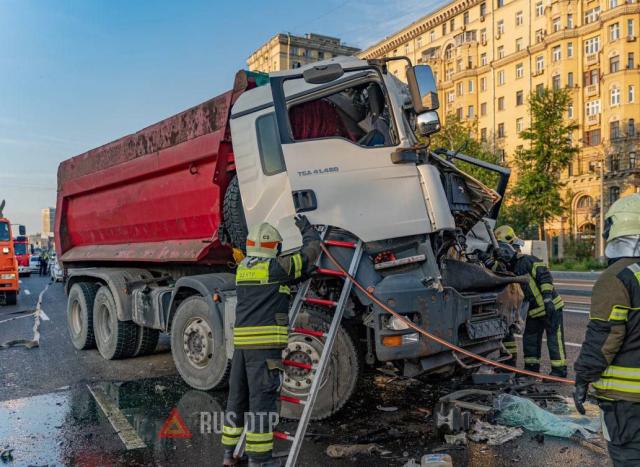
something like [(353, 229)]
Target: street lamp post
[(601, 238)]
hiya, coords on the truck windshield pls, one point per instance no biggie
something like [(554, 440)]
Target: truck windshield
[(20, 248), (4, 232)]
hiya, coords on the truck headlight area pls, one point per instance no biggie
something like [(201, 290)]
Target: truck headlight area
[(405, 339), (7, 276), (394, 323), (5, 250)]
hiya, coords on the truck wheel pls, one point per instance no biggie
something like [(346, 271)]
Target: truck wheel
[(198, 345), (233, 215), (11, 298), (80, 315), (115, 339), (342, 373), (147, 341)]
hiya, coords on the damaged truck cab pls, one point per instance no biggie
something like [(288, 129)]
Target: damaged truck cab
[(337, 141)]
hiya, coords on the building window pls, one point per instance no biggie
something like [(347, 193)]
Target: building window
[(569, 49), (483, 84), (500, 52), (444, 29), (614, 163), (540, 63), (459, 64), (459, 113), (499, 3), (432, 35), (519, 18), (501, 79), (592, 46), (500, 27), (632, 160), (539, 9), (465, 18), (470, 112), (631, 127), (631, 93), (630, 61), (570, 110), (459, 89), (592, 15), (615, 96), (592, 138), (570, 79), (519, 70), (585, 202), (519, 125), (570, 21), (593, 107), (613, 3), (501, 130), (614, 64), (555, 82), (591, 77), (614, 194), (451, 96), (320, 55), (483, 36), (483, 109), (555, 53), (419, 42), (519, 98), (452, 24), (539, 89), (294, 51), (518, 44), (539, 35), (556, 24), (483, 59), (483, 135), (500, 103), (483, 9), (630, 33), (614, 32), (614, 129)]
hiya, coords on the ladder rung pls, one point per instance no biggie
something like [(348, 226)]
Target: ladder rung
[(330, 272), (320, 301), (340, 243), (292, 400), (282, 435), (309, 332), (306, 366)]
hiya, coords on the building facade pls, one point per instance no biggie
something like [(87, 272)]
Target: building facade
[(285, 51), (488, 56), (48, 221)]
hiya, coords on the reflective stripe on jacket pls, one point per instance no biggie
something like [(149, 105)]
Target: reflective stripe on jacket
[(540, 284)]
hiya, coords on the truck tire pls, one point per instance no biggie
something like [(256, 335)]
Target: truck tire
[(341, 376), (233, 214), (11, 298), (115, 339), (147, 341), (80, 315), (198, 345)]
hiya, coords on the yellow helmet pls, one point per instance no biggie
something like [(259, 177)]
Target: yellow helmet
[(505, 233), (263, 241), (623, 218)]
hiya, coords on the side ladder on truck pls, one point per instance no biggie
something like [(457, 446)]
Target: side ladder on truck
[(316, 370)]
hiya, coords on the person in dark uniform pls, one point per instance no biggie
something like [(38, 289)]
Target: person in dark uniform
[(609, 359), (44, 262), (260, 333), (545, 311)]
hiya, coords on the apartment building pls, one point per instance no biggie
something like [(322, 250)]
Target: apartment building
[(488, 56), (285, 51)]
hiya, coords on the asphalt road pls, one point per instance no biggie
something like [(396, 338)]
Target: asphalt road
[(66, 407)]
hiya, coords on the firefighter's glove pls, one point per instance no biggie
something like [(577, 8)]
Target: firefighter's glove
[(302, 223), (549, 307), (580, 395)]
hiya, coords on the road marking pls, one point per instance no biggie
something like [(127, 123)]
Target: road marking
[(19, 281), (27, 292), (568, 344), (117, 419), (17, 317), (44, 316)]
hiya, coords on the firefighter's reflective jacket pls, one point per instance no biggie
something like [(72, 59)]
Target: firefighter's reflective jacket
[(262, 286), (540, 284), (610, 354)]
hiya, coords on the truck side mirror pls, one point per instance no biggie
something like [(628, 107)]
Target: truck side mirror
[(321, 74), (422, 86), (22, 230), (428, 123)]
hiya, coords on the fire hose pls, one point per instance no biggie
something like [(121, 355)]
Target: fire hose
[(435, 338)]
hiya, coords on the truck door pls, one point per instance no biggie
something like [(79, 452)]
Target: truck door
[(337, 145)]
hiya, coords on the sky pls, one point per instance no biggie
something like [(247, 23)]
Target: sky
[(75, 74)]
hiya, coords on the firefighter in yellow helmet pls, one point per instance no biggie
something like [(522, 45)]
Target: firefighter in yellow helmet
[(505, 233), (610, 355), (260, 334)]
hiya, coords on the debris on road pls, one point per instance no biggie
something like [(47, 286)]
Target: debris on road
[(5, 455), (339, 451), (459, 439), (386, 409), (493, 435)]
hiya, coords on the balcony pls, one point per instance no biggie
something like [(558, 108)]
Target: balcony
[(592, 59), (592, 90), (593, 119)]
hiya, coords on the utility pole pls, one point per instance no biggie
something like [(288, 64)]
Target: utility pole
[(601, 239)]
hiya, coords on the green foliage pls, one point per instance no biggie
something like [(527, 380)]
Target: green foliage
[(590, 264), (520, 218), (548, 152), (579, 249), (457, 134)]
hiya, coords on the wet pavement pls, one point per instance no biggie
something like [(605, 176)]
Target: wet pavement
[(64, 407)]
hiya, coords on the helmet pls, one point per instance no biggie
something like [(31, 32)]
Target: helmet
[(263, 241), (505, 253), (623, 218), (505, 233)]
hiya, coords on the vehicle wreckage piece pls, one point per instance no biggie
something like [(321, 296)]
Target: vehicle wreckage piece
[(449, 413)]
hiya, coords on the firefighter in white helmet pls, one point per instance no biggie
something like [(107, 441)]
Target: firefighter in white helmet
[(610, 355), (260, 334)]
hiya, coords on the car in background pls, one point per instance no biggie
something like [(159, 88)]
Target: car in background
[(34, 264), (55, 270)]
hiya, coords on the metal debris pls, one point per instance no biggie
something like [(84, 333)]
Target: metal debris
[(493, 435), (459, 439), (338, 451)]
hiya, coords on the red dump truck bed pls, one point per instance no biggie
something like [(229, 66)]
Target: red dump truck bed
[(152, 196)]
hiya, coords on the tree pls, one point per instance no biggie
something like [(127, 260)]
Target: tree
[(457, 134), (549, 152)]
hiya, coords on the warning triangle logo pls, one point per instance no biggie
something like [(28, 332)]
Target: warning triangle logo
[(174, 426)]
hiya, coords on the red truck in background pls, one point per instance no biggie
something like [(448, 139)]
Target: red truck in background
[(9, 284), (23, 253)]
